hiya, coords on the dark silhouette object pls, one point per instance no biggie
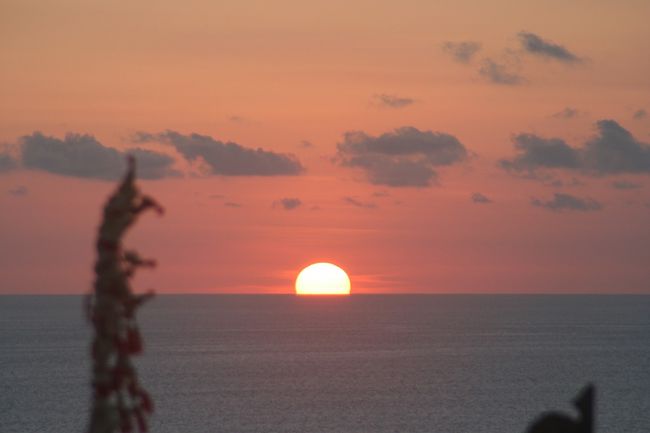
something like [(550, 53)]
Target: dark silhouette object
[(118, 401), (554, 422)]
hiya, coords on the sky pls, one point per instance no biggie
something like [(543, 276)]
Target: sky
[(425, 147)]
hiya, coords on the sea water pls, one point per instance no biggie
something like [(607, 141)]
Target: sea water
[(357, 364)]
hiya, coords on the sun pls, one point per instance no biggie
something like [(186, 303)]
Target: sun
[(322, 279)]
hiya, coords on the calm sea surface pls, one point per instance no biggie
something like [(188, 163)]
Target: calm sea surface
[(447, 364)]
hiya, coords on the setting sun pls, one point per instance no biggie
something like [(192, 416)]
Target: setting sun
[(322, 279)]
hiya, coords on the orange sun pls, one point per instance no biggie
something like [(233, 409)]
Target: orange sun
[(322, 279)]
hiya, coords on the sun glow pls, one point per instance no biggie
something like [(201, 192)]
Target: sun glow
[(322, 279)]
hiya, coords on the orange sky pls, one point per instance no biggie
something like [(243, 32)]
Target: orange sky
[(274, 75)]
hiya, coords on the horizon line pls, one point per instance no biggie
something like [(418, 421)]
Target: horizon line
[(360, 294)]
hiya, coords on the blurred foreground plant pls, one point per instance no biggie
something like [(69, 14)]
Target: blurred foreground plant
[(119, 401)]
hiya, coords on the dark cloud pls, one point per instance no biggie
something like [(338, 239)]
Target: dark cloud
[(395, 172), (19, 191), (567, 113), (536, 152), (566, 202), (640, 114), (358, 203), (561, 183), (288, 203), (7, 162), (226, 159), (479, 198), (81, 155), (498, 73), (405, 157), (535, 45), (623, 184), (152, 164), (392, 101), (462, 52), (612, 151), (306, 144)]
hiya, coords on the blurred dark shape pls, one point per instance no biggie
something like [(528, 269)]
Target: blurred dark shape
[(119, 402), (555, 422)]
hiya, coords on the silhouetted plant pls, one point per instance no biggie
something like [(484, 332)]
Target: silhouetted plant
[(555, 422), (119, 402)]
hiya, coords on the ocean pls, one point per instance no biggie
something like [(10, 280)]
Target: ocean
[(357, 364)]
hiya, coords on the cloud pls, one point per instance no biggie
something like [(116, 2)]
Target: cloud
[(152, 164), (501, 72), (567, 113), (226, 159), (395, 172), (392, 101), (7, 162), (623, 184), (640, 114), (536, 152), (479, 198), (405, 157), (81, 155), (535, 45), (358, 203), (498, 73), (305, 144), (19, 191), (560, 183), (288, 203), (232, 204), (613, 150), (567, 202), (463, 51)]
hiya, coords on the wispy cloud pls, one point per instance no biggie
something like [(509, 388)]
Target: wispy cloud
[(623, 184), (19, 191), (567, 113), (392, 101), (640, 114), (566, 202), (479, 198), (463, 51), (538, 46), (290, 203), (499, 74), (358, 203)]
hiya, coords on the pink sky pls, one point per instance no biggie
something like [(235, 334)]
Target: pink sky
[(438, 95)]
